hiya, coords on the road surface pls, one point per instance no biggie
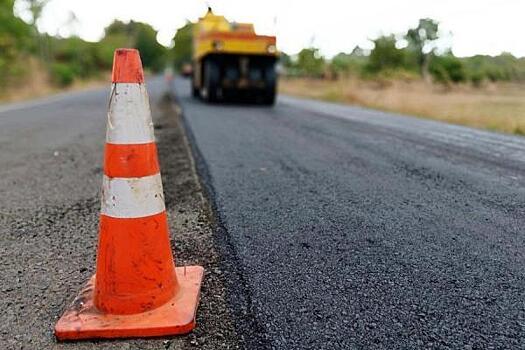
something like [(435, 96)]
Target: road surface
[(50, 179), (349, 228), (336, 227)]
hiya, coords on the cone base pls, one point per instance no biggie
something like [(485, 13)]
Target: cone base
[(82, 320)]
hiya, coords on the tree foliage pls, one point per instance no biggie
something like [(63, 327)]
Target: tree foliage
[(140, 36), (447, 68), (385, 55), (421, 42), (73, 58), (15, 41), (344, 64), (36, 7), (68, 59), (310, 62), (183, 47), (415, 54)]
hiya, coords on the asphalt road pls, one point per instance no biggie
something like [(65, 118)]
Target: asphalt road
[(347, 228), (335, 227), (50, 179)]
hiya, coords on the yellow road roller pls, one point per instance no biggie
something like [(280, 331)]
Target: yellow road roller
[(231, 62)]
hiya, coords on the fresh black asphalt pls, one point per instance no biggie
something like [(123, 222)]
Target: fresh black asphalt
[(347, 228), (337, 227)]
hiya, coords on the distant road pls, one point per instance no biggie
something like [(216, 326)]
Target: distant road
[(350, 228)]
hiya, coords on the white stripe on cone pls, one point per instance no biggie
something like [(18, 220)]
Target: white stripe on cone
[(129, 116), (132, 197)]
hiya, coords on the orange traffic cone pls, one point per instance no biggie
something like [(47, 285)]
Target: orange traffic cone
[(137, 290)]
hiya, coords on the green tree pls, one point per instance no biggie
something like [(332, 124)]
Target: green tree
[(447, 68), (140, 36), (385, 55), (15, 41), (340, 63), (152, 53), (421, 42), (120, 28), (346, 64), (36, 7), (183, 47), (74, 57), (310, 62), (285, 60), (504, 67)]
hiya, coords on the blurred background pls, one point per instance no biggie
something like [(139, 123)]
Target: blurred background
[(458, 61)]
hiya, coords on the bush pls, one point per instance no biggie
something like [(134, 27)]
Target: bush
[(78, 54), (504, 67), (310, 63), (385, 55), (139, 35), (447, 69), (105, 48), (344, 64), (62, 74), (15, 43), (477, 79)]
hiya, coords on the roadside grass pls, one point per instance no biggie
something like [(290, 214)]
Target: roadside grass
[(37, 83), (498, 107)]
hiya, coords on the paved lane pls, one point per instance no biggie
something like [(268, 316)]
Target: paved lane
[(50, 176), (351, 228)]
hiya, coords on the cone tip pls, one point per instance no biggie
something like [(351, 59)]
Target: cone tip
[(127, 67)]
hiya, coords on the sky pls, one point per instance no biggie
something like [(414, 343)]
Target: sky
[(469, 27)]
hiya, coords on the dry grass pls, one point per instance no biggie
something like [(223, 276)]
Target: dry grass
[(499, 107), (37, 84)]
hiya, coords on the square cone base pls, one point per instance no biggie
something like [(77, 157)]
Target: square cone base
[(82, 320)]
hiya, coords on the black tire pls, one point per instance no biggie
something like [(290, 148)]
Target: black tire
[(269, 96), (194, 90), (211, 81), (270, 77)]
